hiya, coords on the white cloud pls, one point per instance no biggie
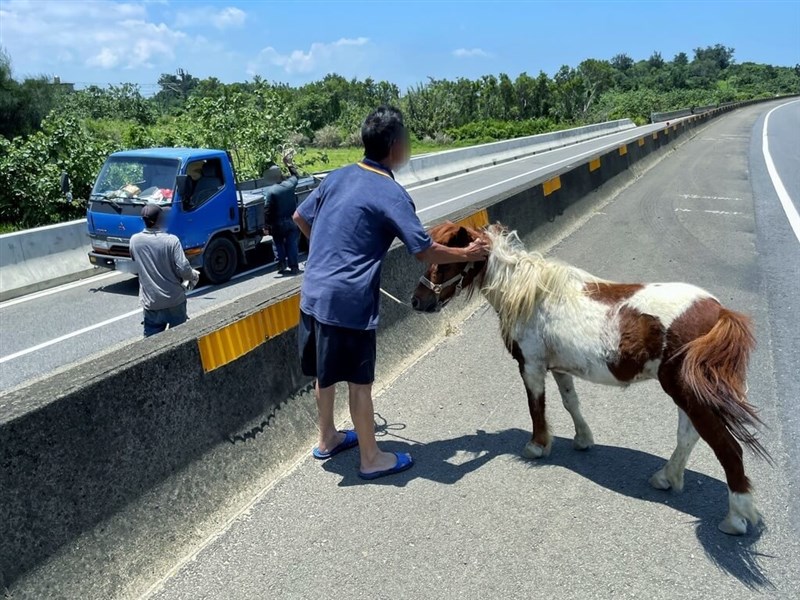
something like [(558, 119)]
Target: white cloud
[(229, 17), (470, 53), (199, 17), (99, 35), (319, 56)]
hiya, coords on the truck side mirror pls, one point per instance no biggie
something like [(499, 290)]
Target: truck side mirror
[(66, 185), (183, 185)]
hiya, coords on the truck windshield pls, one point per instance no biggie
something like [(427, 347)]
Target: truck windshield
[(136, 179)]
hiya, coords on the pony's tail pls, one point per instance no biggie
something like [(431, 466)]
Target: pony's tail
[(715, 368)]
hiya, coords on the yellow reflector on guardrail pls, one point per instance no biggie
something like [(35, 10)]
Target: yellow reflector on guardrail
[(594, 165), (641, 142), (623, 150), (475, 220), (225, 345), (551, 185)]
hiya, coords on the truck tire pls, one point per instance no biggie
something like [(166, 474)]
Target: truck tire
[(220, 261)]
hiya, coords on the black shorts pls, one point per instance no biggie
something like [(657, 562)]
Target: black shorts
[(333, 354)]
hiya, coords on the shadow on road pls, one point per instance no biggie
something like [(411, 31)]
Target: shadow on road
[(621, 470)]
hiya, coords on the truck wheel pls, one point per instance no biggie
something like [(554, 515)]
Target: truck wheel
[(220, 260)]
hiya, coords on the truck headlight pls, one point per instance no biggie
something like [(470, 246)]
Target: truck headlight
[(100, 244)]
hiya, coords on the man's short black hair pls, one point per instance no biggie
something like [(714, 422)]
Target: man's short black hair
[(382, 128), (151, 213)]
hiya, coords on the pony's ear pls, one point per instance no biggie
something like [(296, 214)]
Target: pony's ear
[(463, 238)]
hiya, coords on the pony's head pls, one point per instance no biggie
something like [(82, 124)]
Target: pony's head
[(442, 283)]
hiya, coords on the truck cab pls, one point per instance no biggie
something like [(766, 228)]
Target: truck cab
[(216, 219)]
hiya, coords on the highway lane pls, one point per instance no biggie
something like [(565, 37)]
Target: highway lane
[(471, 520), (48, 330)]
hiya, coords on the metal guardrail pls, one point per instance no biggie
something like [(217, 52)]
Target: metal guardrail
[(658, 117)]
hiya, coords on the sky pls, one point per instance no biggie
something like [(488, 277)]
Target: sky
[(109, 42)]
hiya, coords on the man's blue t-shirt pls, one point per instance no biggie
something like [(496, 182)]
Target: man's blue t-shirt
[(355, 214)]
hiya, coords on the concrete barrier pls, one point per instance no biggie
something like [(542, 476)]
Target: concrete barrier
[(112, 468), (43, 257), (440, 165)]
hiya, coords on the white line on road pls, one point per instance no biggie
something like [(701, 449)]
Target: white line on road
[(710, 212), (60, 288), (699, 197), (67, 336), (89, 328), (783, 195)]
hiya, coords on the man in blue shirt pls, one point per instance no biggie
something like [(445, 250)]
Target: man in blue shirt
[(351, 219)]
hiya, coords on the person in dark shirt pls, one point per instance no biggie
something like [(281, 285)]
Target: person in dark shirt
[(351, 219), (280, 206)]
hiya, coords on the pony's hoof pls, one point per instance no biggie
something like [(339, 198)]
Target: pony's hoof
[(583, 442), (659, 480), (733, 525), (533, 450)]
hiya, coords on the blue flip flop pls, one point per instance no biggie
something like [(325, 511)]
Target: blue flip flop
[(404, 462), (350, 440)]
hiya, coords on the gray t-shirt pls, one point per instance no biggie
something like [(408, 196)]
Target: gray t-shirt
[(162, 267)]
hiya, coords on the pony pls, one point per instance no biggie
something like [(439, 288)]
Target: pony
[(558, 318)]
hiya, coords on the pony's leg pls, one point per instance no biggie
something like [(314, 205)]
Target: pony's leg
[(729, 454), (541, 440), (533, 373), (671, 474), (583, 439)]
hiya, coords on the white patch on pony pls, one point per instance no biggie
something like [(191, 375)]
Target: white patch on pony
[(741, 510), (667, 301)]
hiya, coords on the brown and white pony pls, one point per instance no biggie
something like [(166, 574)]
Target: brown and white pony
[(558, 318)]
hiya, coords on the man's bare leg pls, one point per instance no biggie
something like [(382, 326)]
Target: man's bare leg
[(329, 437), (373, 459)]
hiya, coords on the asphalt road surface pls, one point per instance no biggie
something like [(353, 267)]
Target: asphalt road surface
[(472, 520), (51, 329)]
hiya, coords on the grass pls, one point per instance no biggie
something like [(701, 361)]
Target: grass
[(315, 160)]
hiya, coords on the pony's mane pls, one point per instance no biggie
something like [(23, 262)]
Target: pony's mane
[(516, 280)]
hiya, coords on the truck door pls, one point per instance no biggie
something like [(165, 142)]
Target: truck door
[(211, 205)]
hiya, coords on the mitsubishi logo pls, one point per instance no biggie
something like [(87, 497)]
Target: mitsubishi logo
[(121, 227)]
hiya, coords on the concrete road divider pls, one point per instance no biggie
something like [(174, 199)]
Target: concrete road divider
[(440, 165), (114, 468), (35, 259)]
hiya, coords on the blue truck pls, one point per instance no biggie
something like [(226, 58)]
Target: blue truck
[(217, 219)]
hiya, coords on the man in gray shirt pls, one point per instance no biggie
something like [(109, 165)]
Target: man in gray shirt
[(162, 270)]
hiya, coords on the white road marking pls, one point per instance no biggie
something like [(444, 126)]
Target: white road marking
[(112, 320), (783, 195), (710, 212), (68, 336), (60, 288), (699, 197)]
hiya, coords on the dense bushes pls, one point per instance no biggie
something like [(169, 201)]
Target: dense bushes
[(491, 130), (30, 169)]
